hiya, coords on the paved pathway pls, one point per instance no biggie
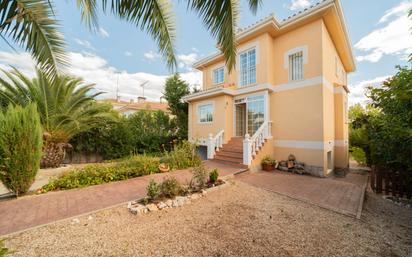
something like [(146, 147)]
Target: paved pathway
[(343, 195), (35, 210)]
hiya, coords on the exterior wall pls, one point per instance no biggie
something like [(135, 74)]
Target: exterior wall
[(222, 118), (267, 149)]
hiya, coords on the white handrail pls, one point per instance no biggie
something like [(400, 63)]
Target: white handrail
[(251, 145), (214, 143)]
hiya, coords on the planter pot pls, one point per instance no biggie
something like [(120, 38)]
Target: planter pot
[(164, 168), (267, 167)]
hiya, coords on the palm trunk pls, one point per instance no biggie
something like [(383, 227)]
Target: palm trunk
[(53, 155)]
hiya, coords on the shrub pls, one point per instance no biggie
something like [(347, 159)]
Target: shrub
[(170, 187), (153, 190), (20, 147), (182, 156), (102, 173), (3, 250), (213, 176), (358, 155), (199, 178), (267, 160)]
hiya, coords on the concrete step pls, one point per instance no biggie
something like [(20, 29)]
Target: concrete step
[(229, 159), (231, 150), (230, 163), (230, 154)]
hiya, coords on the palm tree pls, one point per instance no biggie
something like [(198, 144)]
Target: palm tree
[(66, 106), (32, 25)]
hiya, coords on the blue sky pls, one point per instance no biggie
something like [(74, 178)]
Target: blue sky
[(378, 31)]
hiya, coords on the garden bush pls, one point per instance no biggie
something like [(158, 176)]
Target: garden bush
[(182, 156), (20, 147), (170, 187), (199, 178), (213, 176), (153, 190)]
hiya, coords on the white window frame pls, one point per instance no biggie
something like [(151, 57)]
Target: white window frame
[(215, 82), (245, 50), (212, 104), (304, 50)]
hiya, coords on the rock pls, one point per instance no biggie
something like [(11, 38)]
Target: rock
[(90, 217), (181, 200), (138, 208), (283, 168), (195, 196), (204, 192), (75, 221), (169, 203), (176, 203), (161, 205), (152, 207)]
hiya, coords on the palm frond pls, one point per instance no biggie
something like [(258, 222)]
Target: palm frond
[(221, 18), (254, 5), (88, 9), (153, 16), (29, 23)]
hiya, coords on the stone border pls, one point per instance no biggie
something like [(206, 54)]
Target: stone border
[(137, 208)]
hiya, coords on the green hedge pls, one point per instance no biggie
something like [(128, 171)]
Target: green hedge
[(20, 147)]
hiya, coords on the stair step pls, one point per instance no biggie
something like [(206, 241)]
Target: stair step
[(230, 159), (232, 150), (230, 154), (240, 165)]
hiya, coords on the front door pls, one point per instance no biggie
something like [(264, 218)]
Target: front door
[(240, 119)]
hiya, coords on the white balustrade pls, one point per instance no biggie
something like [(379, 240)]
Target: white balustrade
[(214, 143), (251, 145)]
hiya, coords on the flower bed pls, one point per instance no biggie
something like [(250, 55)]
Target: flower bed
[(171, 194), (181, 157)]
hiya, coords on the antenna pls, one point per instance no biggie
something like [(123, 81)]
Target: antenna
[(117, 88), (143, 85)]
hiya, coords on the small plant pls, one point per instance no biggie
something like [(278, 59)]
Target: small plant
[(268, 163), (153, 190), (20, 147), (199, 178), (170, 187), (213, 175), (182, 156)]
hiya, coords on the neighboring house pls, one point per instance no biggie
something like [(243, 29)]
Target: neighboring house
[(287, 94), (128, 108)]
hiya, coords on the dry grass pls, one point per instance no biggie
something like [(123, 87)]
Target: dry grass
[(238, 220)]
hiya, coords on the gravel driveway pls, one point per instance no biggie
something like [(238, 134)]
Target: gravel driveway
[(239, 220)]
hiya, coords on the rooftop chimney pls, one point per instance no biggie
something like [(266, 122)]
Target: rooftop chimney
[(141, 99)]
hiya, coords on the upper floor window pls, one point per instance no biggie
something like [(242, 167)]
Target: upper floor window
[(248, 67), (205, 112), (218, 75), (296, 66)]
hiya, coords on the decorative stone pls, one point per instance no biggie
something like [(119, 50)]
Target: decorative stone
[(137, 209), (204, 192), (181, 200), (90, 217), (175, 204), (161, 205), (169, 203), (152, 207), (195, 196)]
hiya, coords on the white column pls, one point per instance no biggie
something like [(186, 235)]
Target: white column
[(210, 147), (247, 150)]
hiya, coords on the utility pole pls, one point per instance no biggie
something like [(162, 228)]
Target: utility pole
[(143, 85)]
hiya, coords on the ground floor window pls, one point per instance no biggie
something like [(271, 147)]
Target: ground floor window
[(205, 112)]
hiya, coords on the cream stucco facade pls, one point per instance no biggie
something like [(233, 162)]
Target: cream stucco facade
[(308, 115)]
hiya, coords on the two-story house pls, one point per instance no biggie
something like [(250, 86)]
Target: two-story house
[(287, 94)]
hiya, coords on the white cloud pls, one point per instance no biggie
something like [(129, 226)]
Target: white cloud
[(151, 56), (94, 69), (127, 53), (186, 60), (84, 43), (298, 4), (393, 39), (398, 10), (103, 32), (358, 90)]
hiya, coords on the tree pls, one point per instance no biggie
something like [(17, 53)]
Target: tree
[(65, 104), (175, 90), (32, 24), (20, 147)]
